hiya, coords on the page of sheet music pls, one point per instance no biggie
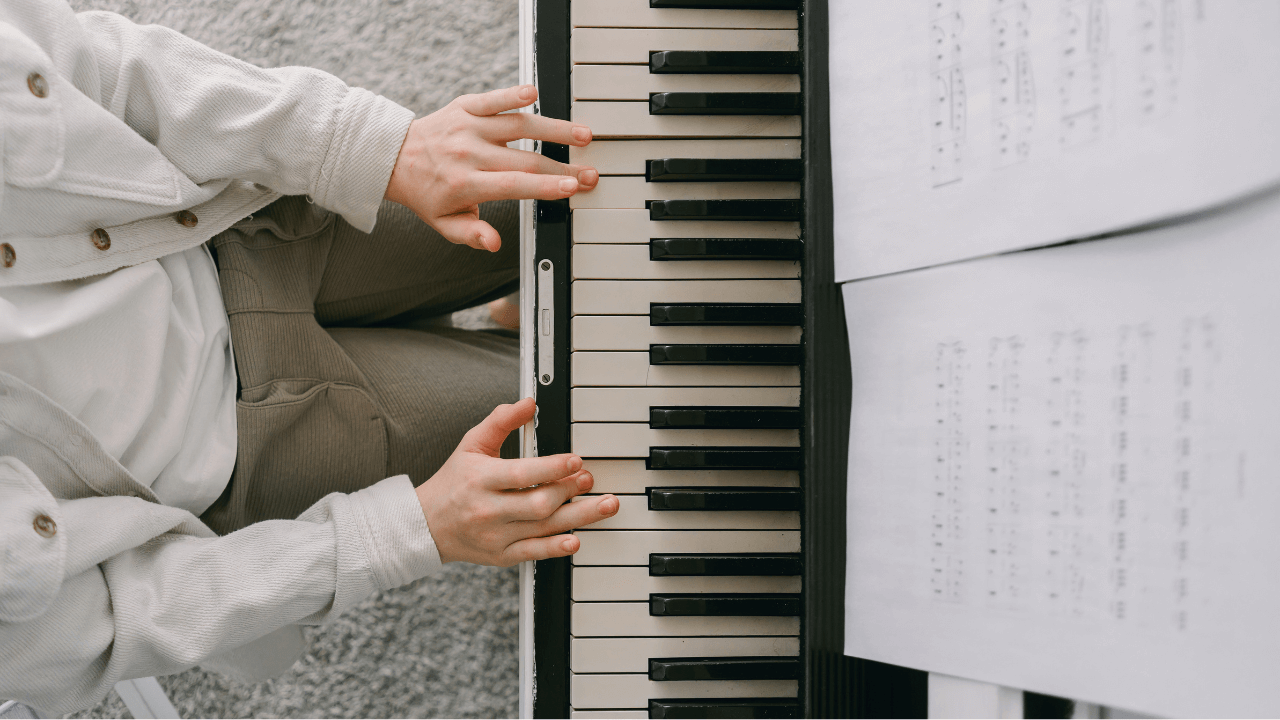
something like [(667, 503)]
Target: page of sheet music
[(962, 128), (1064, 468)]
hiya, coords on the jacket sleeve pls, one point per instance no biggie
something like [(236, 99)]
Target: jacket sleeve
[(296, 130), (125, 588)]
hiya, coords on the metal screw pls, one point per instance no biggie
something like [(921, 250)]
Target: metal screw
[(546, 378), (546, 265)]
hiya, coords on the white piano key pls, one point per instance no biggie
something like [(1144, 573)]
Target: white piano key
[(633, 584), (632, 547), (619, 440), (632, 369), (628, 157), (634, 514), (632, 120), (627, 192), (631, 476), (633, 45), (605, 655), (632, 297), (633, 332), (634, 226), (632, 404), (637, 13), (631, 262), (634, 691), (632, 619), (635, 82), (608, 714)]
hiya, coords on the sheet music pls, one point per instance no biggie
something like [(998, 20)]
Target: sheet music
[(1063, 468), (962, 128)]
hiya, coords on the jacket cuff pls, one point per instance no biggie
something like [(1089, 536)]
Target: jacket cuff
[(362, 152), (396, 538)]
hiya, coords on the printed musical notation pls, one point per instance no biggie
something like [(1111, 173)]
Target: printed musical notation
[(963, 128), (1024, 499), (1061, 468)]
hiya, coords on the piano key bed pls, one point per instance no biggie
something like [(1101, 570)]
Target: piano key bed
[(677, 328)]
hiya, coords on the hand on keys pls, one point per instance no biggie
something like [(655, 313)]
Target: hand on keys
[(490, 511), (457, 157)]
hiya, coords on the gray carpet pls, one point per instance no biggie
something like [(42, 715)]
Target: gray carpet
[(447, 646)]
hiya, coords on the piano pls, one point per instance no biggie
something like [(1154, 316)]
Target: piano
[(688, 342)]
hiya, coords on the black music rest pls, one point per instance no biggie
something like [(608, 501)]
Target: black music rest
[(727, 103), (726, 605), (732, 417), (765, 667), (737, 62), (763, 499), (723, 170), (725, 249), (725, 314), (723, 458), (786, 210), (727, 4), (724, 564), (726, 708)]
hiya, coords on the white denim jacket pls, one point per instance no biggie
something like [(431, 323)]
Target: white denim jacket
[(110, 127)]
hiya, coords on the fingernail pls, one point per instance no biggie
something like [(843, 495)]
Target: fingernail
[(574, 463), (567, 545), (526, 92), (582, 134), (585, 480), (568, 185), (609, 505), (588, 176)]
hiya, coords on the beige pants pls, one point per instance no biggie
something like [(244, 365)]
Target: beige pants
[(343, 379)]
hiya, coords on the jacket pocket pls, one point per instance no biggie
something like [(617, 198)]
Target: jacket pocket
[(33, 551), (33, 131)]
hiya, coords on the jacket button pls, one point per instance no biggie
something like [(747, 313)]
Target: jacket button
[(45, 526), (38, 85), (186, 218), (101, 239), (7, 256)]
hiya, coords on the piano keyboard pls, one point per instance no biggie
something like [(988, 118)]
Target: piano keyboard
[(671, 357)]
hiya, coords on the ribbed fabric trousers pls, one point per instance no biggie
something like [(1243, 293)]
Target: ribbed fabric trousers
[(344, 380)]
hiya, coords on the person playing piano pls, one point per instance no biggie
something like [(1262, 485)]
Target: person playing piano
[(224, 411)]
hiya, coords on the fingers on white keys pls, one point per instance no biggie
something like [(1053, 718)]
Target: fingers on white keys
[(538, 503), (515, 126), (528, 472), (506, 159), (575, 515)]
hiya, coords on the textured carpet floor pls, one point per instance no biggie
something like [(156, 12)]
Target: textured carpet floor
[(445, 647)]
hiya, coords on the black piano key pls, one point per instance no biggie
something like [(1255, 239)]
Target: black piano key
[(787, 210), (728, 417), (725, 249), (737, 62), (723, 498), (726, 103), (715, 170), (724, 564), (725, 314), (724, 605), (724, 668), (727, 4), (724, 354), (726, 708), (723, 458)]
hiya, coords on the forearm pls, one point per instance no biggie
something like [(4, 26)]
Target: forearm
[(176, 599), (295, 130)]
